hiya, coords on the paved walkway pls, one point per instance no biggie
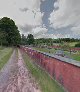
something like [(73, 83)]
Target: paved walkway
[(15, 77)]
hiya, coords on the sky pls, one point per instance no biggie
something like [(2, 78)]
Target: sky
[(44, 18)]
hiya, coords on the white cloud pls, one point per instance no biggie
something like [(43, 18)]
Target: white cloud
[(32, 17), (33, 5), (28, 17), (68, 14), (56, 5), (55, 36), (26, 14), (39, 31), (76, 30)]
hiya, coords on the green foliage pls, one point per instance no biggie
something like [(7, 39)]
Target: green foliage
[(44, 41), (61, 40), (27, 41), (2, 38), (30, 39), (9, 31), (77, 45), (23, 40), (1, 48)]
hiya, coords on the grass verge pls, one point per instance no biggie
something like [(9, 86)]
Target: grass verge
[(1, 48), (46, 83), (6, 57), (76, 57), (73, 56), (46, 50)]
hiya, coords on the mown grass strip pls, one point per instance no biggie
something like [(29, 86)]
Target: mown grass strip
[(5, 57), (74, 56), (46, 83), (46, 50), (4, 52)]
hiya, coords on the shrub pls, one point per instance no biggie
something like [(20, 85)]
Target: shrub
[(77, 45)]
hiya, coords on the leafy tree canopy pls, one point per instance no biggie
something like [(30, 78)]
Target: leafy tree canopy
[(77, 45), (30, 39), (8, 27)]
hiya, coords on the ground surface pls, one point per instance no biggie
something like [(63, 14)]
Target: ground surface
[(5, 54), (46, 83), (14, 76)]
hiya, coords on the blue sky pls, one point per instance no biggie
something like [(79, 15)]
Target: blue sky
[(44, 18), (47, 7)]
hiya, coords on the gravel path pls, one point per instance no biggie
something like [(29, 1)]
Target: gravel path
[(15, 77)]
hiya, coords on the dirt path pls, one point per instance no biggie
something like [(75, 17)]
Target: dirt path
[(15, 77)]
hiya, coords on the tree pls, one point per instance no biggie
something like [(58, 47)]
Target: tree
[(8, 27), (30, 39), (77, 45), (23, 39), (66, 47), (2, 38)]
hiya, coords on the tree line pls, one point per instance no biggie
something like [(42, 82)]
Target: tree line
[(29, 40), (60, 40)]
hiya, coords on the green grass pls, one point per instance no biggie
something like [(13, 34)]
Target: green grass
[(72, 44), (1, 48), (46, 50), (46, 83), (4, 56), (75, 56), (4, 51)]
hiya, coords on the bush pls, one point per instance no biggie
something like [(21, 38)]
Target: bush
[(77, 45)]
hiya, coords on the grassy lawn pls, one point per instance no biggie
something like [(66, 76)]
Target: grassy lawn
[(1, 48), (73, 56), (4, 51), (46, 50), (4, 56), (46, 83), (72, 44)]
